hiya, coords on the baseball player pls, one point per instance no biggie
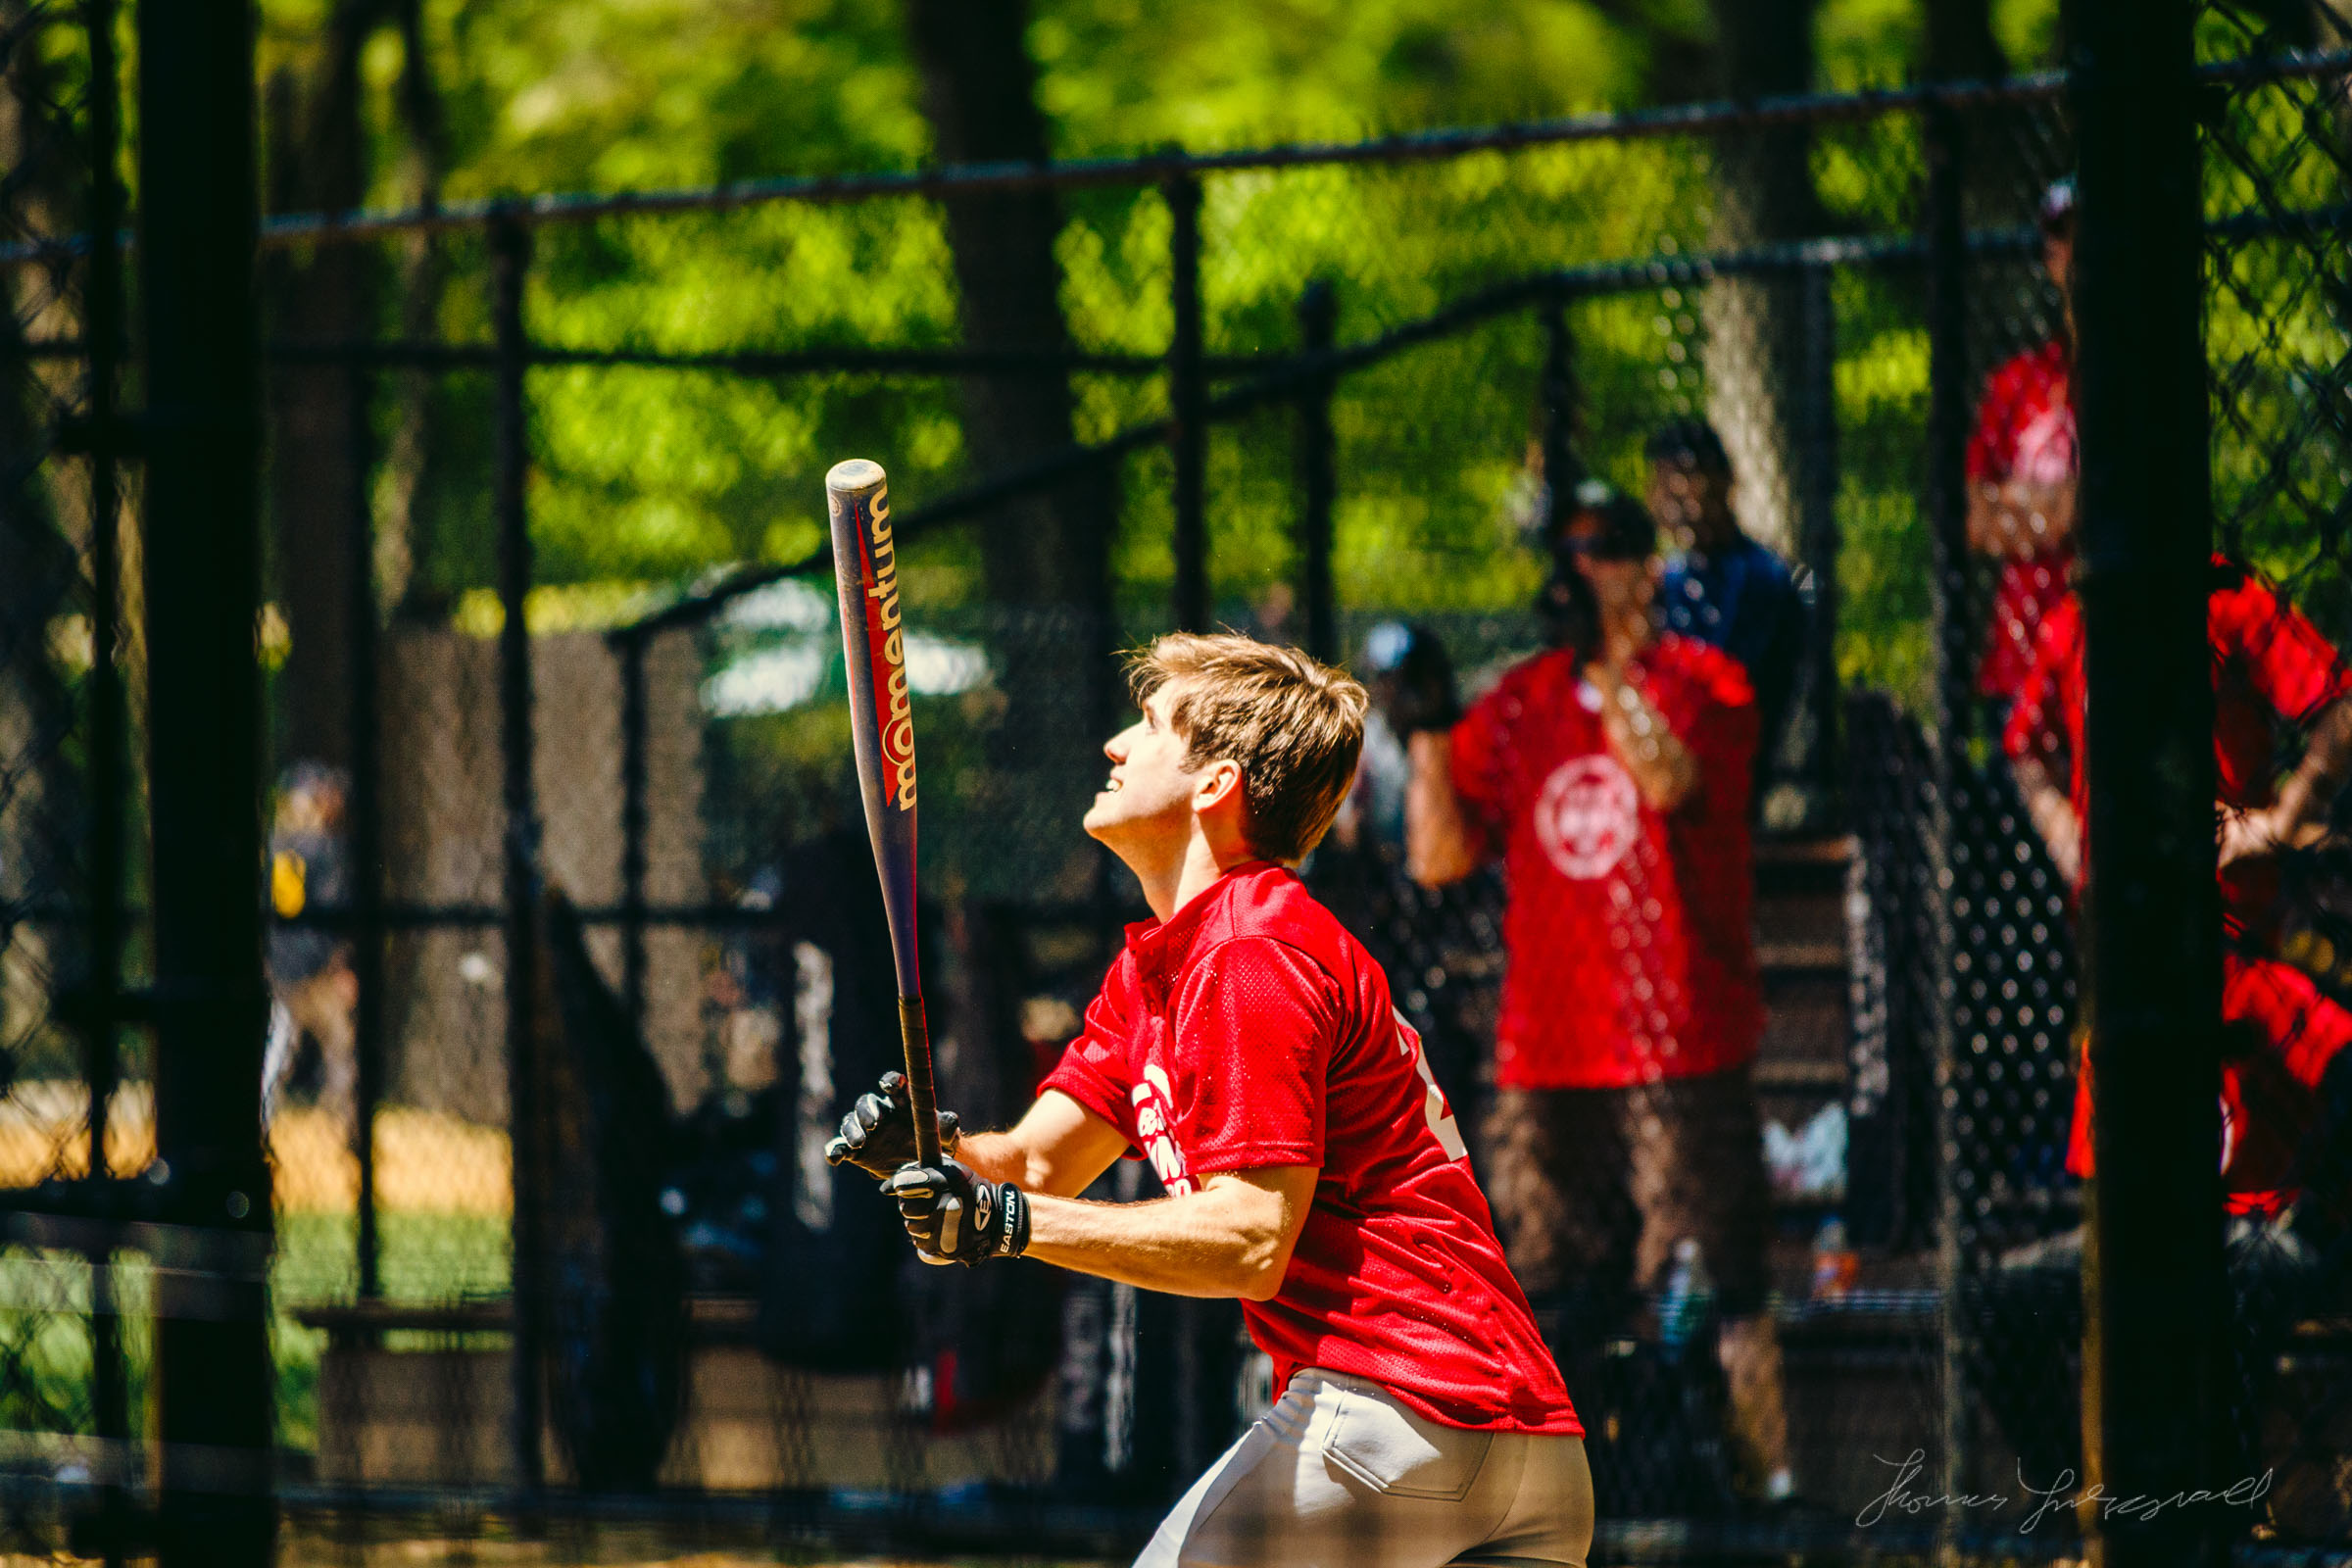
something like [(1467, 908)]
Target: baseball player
[(1244, 1044)]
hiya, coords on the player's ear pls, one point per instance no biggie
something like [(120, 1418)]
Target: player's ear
[(1219, 782)]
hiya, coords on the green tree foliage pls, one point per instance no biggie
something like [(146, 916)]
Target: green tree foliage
[(650, 477)]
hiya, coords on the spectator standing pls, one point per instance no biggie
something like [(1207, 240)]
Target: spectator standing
[(1610, 776), (313, 989), (2286, 1078), (2022, 467), (1720, 587)]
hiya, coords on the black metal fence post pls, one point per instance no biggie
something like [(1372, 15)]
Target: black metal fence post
[(633, 826), (1954, 642), (199, 224), (1318, 475), (511, 257), (1817, 527), (367, 825), (2155, 1291), (1555, 393), (101, 332), (1188, 400)]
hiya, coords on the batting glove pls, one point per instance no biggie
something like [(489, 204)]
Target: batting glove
[(957, 1218), (878, 1135)]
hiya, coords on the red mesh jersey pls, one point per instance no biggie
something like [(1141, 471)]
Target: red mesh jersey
[(2270, 668), (1630, 953), (2025, 430), (1253, 1031)]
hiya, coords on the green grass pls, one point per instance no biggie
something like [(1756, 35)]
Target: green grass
[(45, 1352)]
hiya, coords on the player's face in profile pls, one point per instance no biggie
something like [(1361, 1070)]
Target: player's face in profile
[(1149, 790)]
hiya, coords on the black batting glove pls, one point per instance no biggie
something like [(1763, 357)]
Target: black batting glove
[(956, 1217), (1421, 693), (878, 1135)]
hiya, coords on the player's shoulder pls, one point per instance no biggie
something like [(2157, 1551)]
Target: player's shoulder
[(1531, 685), (1266, 910), (1702, 666), (2028, 369)]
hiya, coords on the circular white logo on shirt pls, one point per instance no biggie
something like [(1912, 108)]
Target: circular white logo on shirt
[(1588, 816)]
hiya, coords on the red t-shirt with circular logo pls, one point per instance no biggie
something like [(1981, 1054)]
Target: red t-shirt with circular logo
[(1251, 1031), (1631, 957)]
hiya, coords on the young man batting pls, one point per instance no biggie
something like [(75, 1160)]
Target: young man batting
[(1245, 1045)]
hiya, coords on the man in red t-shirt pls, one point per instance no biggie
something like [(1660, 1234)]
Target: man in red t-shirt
[(1610, 776), (1244, 1044), (2272, 673), (2021, 465)]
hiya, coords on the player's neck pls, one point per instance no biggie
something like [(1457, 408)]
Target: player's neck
[(1181, 873)]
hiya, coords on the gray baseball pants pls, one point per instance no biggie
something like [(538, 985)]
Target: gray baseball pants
[(1341, 1474)]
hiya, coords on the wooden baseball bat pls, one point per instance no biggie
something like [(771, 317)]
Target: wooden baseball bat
[(865, 571)]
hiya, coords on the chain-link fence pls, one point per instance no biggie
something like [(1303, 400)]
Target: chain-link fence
[(75, 1099), (577, 956)]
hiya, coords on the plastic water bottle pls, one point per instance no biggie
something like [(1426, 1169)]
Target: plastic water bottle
[(1835, 1264), (1682, 1304)]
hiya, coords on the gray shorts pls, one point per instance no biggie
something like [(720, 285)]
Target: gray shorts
[(1340, 1474)]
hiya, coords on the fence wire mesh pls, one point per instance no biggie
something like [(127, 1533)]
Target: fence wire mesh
[(1774, 1092)]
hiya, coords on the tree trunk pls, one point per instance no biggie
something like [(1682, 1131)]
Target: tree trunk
[(317, 161), (1763, 188), (979, 95), (405, 565), (1045, 559)]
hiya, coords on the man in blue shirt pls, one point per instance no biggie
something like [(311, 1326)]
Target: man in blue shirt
[(1720, 587)]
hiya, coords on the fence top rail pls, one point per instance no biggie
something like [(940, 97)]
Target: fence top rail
[(1412, 147)]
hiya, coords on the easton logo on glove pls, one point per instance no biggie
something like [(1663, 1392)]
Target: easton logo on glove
[(953, 1216)]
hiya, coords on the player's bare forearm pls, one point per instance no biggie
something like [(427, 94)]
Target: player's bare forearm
[(1440, 846), (1058, 1148), (2327, 758), (2052, 815), (1664, 769), (1231, 1239)]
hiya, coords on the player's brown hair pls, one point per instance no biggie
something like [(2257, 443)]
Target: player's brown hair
[(1294, 726)]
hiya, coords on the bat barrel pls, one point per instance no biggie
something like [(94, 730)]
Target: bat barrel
[(865, 572)]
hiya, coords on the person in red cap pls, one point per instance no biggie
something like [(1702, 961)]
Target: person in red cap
[(2022, 467), (1245, 1045)]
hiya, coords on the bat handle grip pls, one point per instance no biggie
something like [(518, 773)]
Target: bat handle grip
[(922, 1099)]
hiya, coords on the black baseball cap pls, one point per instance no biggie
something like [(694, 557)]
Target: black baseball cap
[(1692, 443), (1626, 530)]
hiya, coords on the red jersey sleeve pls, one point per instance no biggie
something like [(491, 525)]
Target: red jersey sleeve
[(1255, 1026), (2296, 670), (1480, 761), (1992, 445), (2036, 725), (1093, 1070)]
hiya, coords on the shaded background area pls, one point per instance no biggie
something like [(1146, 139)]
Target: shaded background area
[(1320, 393)]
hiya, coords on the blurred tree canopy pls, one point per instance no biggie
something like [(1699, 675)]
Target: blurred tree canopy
[(650, 477)]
